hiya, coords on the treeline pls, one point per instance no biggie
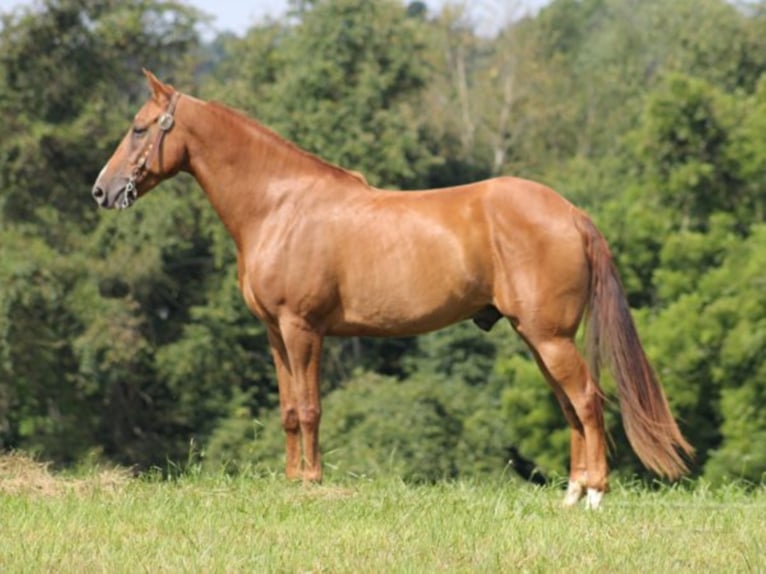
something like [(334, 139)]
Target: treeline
[(123, 335)]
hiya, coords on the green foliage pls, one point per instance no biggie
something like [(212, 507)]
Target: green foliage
[(714, 360), (94, 297), (37, 392), (684, 151), (56, 133), (537, 426), (348, 72), (375, 426), (460, 353), (124, 336)]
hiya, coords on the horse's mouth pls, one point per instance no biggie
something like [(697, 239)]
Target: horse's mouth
[(125, 198)]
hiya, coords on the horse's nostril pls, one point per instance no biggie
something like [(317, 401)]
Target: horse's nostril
[(98, 194)]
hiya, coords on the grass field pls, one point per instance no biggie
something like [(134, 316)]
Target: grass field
[(109, 522)]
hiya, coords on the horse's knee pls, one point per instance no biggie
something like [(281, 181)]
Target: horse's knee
[(309, 416), (290, 420)]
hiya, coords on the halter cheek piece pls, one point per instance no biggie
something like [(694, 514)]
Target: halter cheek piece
[(165, 124)]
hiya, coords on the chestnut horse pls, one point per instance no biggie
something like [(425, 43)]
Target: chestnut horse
[(320, 252)]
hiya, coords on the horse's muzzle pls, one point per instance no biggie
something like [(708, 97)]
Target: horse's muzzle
[(99, 195), (123, 198)]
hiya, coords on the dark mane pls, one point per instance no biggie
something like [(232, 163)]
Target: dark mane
[(271, 134)]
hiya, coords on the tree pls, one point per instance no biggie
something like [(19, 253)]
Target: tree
[(684, 151), (39, 397), (56, 133), (125, 335), (349, 73), (712, 366), (84, 294)]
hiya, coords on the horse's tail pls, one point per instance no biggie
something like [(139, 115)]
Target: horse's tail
[(611, 335)]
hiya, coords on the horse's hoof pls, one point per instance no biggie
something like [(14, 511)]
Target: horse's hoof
[(575, 491), (593, 501)]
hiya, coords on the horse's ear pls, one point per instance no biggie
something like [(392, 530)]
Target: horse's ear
[(160, 91)]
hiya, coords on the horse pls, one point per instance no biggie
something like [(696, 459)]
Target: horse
[(322, 253)]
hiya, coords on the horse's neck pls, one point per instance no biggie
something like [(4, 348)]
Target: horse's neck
[(246, 171)]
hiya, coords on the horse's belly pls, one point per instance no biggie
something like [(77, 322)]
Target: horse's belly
[(365, 326), (408, 307)]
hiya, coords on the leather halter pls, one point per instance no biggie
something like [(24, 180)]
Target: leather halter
[(165, 123)]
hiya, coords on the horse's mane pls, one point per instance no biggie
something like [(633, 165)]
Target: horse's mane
[(271, 134)]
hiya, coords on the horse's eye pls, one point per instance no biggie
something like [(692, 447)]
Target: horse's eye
[(139, 130)]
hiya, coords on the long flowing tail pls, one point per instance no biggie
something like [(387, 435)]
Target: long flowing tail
[(611, 335)]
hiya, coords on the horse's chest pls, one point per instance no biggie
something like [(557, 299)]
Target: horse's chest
[(270, 288), (255, 302), (260, 288)]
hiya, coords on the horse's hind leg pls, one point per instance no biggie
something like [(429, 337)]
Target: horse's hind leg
[(578, 471), (582, 404)]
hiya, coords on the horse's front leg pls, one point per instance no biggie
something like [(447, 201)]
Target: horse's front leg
[(303, 347), (288, 407)]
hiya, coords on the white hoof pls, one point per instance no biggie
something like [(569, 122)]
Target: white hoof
[(575, 491), (593, 501)]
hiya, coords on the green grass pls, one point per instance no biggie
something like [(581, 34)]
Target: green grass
[(111, 523)]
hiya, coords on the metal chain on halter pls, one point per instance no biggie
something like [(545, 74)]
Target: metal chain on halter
[(165, 123)]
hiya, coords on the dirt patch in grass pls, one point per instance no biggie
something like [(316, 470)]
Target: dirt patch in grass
[(20, 474)]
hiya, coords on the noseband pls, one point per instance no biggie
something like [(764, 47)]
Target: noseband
[(165, 124)]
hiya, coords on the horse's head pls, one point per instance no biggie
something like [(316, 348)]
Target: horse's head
[(149, 153)]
